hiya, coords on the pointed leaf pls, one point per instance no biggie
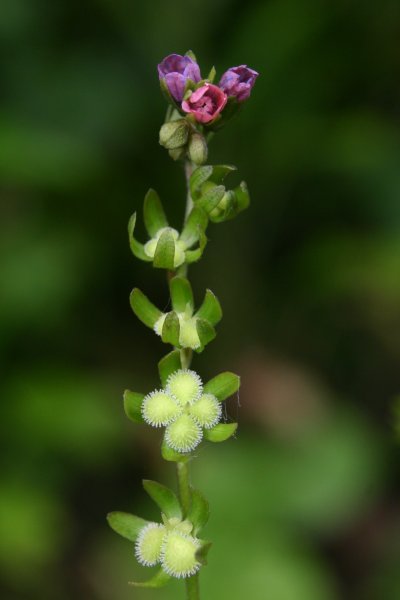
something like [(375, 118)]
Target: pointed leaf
[(199, 512), (242, 197), (211, 309), (165, 498), (153, 213), (198, 177), (205, 331), (165, 251), (171, 455), (181, 294), (144, 309), (133, 406), (202, 552), (192, 256), (220, 432), (158, 580), (211, 198), (125, 524), (223, 385), (195, 224), (171, 329), (220, 172), (168, 365), (136, 247)]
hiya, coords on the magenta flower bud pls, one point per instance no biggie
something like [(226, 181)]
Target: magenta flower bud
[(238, 81), (175, 70), (205, 103)]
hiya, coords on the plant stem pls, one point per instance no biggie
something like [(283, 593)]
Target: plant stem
[(184, 486), (192, 583)]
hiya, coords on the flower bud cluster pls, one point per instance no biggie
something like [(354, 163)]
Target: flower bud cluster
[(204, 105)]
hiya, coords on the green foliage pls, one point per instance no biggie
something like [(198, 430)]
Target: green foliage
[(165, 499), (126, 525)]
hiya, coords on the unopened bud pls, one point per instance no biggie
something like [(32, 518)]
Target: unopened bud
[(197, 149), (174, 134)]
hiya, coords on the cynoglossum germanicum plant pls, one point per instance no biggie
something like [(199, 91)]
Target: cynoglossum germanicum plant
[(187, 409)]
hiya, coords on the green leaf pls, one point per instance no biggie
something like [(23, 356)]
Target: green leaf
[(165, 251), (219, 172), (168, 365), (165, 498), (242, 197), (158, 580), (223, 385), (195, 224), (192, 256), (153, 213), (171, 329), (125, 524), (198, 177), (205, 331), (211, 198), (220, 432), (211, 309), (136, 247), (202, 552), (144, 309), (199, 512), (181, 294), (171, 455), (133, 406)]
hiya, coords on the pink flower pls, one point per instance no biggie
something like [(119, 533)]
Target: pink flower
[(206, 103)]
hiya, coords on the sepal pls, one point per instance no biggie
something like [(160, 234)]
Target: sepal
[(210, 310), (199, 512), (160, 579), (133, 406), (171, 329), (165, 499), (165, 251), (144, 309), (202, 552), (136, 247), (171, 455), (221, 432), (181, 294), (153, 213), (223, 385), (168, 365), (126, 525)]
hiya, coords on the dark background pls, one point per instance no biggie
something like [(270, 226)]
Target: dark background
[(304, 500)]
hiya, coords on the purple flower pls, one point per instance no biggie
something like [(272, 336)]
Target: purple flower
[(205, 103), (238, 81), (175, 70)]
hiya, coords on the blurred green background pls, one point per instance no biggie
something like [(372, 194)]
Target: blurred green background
[(304, 501)]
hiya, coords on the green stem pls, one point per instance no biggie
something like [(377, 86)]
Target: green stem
[(192, 588), (184, 486), (192, 583)]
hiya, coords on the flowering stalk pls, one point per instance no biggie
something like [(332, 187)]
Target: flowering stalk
[(186, 408)]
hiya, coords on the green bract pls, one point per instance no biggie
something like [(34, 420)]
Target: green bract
[(166, 248), (209, 194), (181, 327), (187, 409)]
